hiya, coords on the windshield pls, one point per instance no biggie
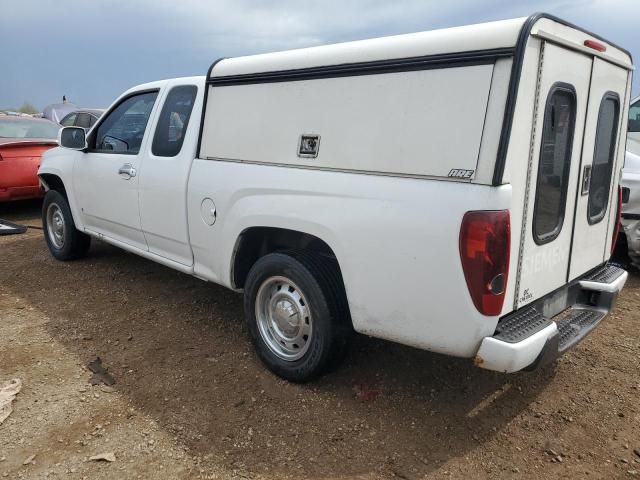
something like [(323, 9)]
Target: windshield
[(28, 128)]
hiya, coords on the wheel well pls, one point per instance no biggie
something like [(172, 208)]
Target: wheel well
[(257, 242), (54, 182)]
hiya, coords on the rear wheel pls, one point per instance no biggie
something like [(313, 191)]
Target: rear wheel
[(65, 242), (297, 314)]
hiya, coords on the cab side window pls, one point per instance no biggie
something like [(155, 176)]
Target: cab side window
[(123, 129), (173, 121)]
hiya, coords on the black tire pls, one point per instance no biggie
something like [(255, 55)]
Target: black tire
[(318, 278), (74, 244)]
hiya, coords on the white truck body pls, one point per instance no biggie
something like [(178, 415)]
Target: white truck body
[(374, 152), (633, 132), (631, 181), (631, 205)]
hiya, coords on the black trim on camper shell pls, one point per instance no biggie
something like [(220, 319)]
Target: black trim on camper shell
[(516, 71), (408, 64), (204, 104)]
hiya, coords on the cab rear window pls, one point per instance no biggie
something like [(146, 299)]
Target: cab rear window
[(603, 157), (173, 121), (554, 163)]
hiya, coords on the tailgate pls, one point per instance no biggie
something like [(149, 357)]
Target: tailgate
[(573, 172)]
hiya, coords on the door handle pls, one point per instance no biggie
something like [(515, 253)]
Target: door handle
[(586, 179), (127, 169)]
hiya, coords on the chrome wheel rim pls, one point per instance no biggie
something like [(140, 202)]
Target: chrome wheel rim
[(55, 225), (284, 318)]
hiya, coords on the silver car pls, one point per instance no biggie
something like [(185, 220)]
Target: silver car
[(631, 205), (633, 135), (82, 118)]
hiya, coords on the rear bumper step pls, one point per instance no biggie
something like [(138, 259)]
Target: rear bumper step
[(577, 326), (538, 334)]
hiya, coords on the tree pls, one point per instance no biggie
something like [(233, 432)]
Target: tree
[(28, 108)]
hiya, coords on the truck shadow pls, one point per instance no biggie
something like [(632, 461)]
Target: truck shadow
[(22, 211), (177, 348)]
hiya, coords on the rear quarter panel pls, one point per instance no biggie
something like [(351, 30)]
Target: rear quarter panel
[(18, 170), (396, 240)]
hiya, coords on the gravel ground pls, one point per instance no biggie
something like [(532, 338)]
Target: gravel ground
[(191, 399)]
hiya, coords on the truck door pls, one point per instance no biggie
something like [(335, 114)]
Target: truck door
[(165, 172), (105, 178), (596, 201), (552, 172)]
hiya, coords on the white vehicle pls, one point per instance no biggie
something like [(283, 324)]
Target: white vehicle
[(631, 206), (444, 190), (633, 135)]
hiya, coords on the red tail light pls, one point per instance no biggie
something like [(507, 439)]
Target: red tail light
[(485, 242), (616, 227)]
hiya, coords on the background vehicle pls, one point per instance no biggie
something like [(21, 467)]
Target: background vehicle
[(631, 206), (14, 114), (448, 190), (633, 136), (57, 111), (82, 118), (22, 142)]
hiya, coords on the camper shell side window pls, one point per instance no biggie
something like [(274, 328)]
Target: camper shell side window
[(554, 163)]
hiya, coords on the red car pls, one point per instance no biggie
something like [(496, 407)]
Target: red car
[(23, 140)]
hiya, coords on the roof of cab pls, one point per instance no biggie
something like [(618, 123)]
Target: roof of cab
[(197, 80)]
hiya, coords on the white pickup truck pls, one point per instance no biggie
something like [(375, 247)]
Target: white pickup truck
[(454, 190), (630, 183)]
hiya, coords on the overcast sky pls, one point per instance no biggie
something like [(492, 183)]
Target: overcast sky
[(92, 50)]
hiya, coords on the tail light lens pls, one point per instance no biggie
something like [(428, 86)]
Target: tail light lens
[(600, 47), (616, 227), (485, 241)]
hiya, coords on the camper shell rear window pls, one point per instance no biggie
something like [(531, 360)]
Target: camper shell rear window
[(603, 157), (554, 163)]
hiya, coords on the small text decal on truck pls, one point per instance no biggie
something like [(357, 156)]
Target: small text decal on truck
[(526, 295), (459, 173)]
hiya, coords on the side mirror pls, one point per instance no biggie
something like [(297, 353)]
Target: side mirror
[(73, 137)]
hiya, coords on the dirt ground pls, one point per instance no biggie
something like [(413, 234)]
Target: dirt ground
[(192, 400)]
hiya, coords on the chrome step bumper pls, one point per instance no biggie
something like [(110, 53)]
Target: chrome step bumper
[(531, 337)]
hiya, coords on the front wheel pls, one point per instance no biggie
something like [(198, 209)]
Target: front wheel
[(65, 242), (297, 314)]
